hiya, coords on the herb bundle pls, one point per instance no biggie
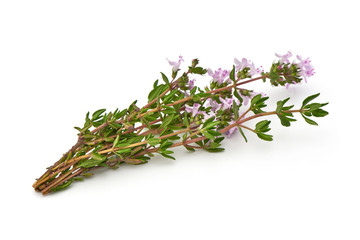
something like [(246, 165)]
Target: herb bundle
[(178, 113)]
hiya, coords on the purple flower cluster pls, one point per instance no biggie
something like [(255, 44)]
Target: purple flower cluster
[(176, 65), (253, 71), (306, 69), (220, 76), (215, 107), (222, 107)]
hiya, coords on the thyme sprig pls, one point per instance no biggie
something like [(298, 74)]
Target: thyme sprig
[(178, 113)]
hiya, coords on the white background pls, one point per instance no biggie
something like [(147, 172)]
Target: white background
[(60, 59)]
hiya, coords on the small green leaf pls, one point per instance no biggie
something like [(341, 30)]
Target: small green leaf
[(154, 141), (167, 121), (125, 150), (166, 80), (92, 162), (261, 125), (197, 70), (255, 99), (215, 149), (214, 133), (214, 145), (166, 144), (209, 120), (232, 74), (309, 121), (265, 137), (280, 105), (121, 145), (116, 141), (189, 149), (242, 133), (167, 156), (284, 121), (155, 83), (208, 135), (97, 156), (237, 95), (185, 119), (97, 114), (62, 186), (235, 110), (308, 99), (319, 113), (211, 125)]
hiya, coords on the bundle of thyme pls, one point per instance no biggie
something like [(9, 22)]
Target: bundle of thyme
[(178, 113)]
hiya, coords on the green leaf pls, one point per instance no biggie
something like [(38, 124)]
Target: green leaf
[(235, 110), (166, 80), (97, 156), (211, 125), (284, 121), (167, 121), (214, 145), (118, 115), (219, 139), (280, 105), (169, 111), (262, 125), (95, 159), (215, 149), (208, 135), (171, 94), (190, 149), (319, 113), (255, 99), (121, 145), (232, 74), (209, 120), (197, 70), (167, 156), (166, 144), (97, 114), (308, 99), (214, 133), (265, 137), (116, 141), (125, 150), (62, 186), (237, 95), (154, 141), (242, 133), (185, 119), (309, 121), (156, 91), (156, 83)]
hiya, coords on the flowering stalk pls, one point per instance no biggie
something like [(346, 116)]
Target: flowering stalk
[(178, 113)]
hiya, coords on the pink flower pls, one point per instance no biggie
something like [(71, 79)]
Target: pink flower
[(255, 71), (207, 116), (176, 65), (194, 110), (284, 58), (191, 84), (241, 65), (226, 103), (231, 131), (215, 106), (306, 69), (219, 76)]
